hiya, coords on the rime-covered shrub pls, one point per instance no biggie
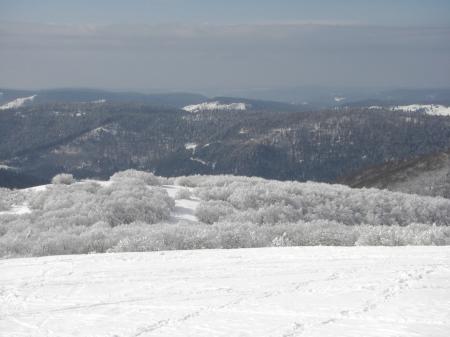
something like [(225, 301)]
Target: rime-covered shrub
[(186, 181), (183, 193), (63, 179), (9, 198), (262, 201), (128, 214), (140, 176), (214, 193), (86, 203), (139, 237), (4, 199), (27, 240), (414, 234), (4, 194), (212, 181), (213, 211), (126, 203), (272, 214)]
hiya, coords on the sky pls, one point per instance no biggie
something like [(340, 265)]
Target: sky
[(201, 45)]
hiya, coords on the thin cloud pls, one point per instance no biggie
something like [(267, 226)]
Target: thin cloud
[(232, 55), (14, 34)]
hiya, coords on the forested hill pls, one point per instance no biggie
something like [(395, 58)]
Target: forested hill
[(98, 139), (425, 175)]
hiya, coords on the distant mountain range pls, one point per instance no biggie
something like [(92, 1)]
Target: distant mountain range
[(11, 178), (303, 97), (325, 97), (93, 95), (16, 98), (93, 133)]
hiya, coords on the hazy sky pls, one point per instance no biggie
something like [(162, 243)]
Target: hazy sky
[(202, 44)]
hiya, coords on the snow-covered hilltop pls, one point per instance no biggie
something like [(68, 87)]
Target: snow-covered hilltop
[(213, 106), (17, 103), (339, 99), (429, 109)]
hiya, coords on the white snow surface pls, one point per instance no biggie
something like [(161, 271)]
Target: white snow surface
[(304, 291), (191, 146), (339, 99), (36, 188), (212, 106), (429, 109), (17, 103), (198, 160), (184, 208), (18, 210)]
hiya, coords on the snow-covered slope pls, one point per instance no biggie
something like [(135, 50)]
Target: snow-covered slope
[(429, 109), (212, 106), (17, 103), (315, 291)]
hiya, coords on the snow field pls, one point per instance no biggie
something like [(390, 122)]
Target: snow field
[(308, 291)]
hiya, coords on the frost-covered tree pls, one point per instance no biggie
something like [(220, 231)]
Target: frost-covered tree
[(140, 176), (63, 179), (129, 214), (183, 193)]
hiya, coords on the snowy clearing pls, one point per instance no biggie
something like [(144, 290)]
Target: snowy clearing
[(191, 146), (184, 208), (315, 291), (17, 103), (17, 210), (212, 106)]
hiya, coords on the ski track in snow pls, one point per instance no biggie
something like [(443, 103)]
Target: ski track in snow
[(305, 291)]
